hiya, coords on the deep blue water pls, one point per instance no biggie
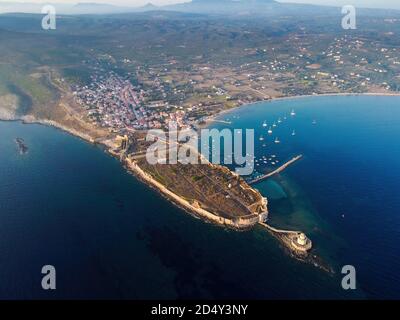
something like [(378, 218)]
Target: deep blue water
[(344, 192), (68, 204)]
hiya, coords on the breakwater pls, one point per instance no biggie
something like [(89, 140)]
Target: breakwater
[(278, 170)]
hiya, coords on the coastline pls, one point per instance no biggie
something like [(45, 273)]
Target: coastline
[(215, 117), (54, 124), (29, 119), (240, 223)]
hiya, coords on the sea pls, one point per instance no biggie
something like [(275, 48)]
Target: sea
[(68, 204)]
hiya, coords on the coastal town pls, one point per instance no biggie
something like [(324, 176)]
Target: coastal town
[(113, 102), (112, 89), (215, 149), (151, 96), (216, 193)]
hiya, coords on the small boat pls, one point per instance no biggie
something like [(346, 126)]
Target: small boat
[(274, 125), (314, 122), (284, 118), (293, 113), (294, 133), (261, 138), (279, 120), (265, 124), (270, 130), (277, 140)]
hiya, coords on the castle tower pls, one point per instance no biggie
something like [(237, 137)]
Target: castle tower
[(302, 239), (301, 243)]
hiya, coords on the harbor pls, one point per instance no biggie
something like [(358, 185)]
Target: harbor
[(278, 170)]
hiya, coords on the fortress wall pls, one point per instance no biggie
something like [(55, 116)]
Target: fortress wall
[(239, 223)]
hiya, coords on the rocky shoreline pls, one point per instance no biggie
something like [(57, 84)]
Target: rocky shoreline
[(172, 197), (237, 224)]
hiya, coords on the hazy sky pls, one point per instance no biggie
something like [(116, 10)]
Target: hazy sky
[(357, 3)]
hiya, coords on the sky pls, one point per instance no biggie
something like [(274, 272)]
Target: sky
[(395, 4), (390, 4)]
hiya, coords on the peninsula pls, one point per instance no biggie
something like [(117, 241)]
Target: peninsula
[(122, 75)]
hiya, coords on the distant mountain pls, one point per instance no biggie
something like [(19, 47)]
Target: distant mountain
[(234, 8), (247, 8), (149, 6)]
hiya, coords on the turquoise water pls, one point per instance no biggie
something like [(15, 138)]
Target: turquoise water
[(343, 192), (68, 204)]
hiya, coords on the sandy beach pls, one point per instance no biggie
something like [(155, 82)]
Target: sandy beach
[(215, 117)]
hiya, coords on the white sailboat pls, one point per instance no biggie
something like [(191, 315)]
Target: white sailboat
[(265, 124), (277, 140), (293, 113), (294, 133), (270, 130)]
